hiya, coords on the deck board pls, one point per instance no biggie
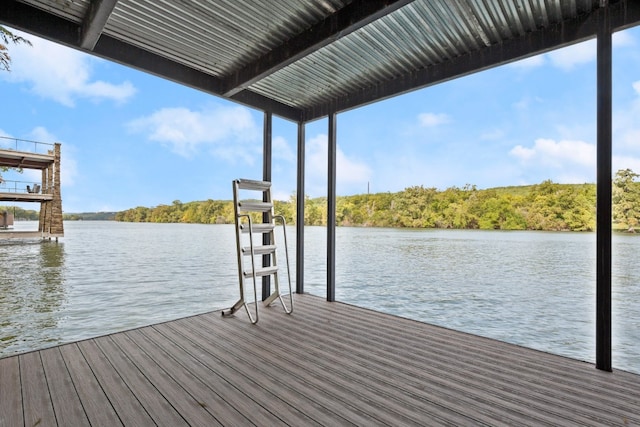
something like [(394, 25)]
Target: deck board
[(160, 410), (118, 396), (576, 383), (88, 389), (373, 402), (11, 401), (205, 397), (66, 402), (36, 401), (327, 364), (292, 382), (436, 360), (236, 373)]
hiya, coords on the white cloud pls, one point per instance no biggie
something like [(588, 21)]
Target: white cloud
[(433, 119), (526, 102), (528, 63), (565, 161), (582, 53), (571, 159), (281, 150), (571, 56), (557, 153), (523, 153), (492, 135), (626, 162), (351, 174), (226, 129), (68, 165), (62, 74), (41, 134), (622, 39), (626, 128)]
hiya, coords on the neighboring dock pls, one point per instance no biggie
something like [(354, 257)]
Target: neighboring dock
[(15, 153), (326, 364)]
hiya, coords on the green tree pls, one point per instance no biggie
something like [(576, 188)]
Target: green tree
[(7, 37), (626, 199)]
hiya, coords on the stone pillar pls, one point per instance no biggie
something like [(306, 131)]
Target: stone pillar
[(57, 227), (43, 205)]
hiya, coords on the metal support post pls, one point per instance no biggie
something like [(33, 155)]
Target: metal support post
[(300, 198), (331, 209), (266, 176), (603, 209)]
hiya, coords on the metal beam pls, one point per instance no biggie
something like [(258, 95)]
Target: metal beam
[(300, 199), (266, 176), (331, 208), (345, 21), (263, 103), (38, 22), (604, 190), (95, 21), (623, 14), (149, 62), (58, 30)]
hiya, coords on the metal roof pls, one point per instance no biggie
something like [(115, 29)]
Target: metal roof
[(305, 59)]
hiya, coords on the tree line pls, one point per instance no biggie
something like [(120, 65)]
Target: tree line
[(20, 214), (545, 206)]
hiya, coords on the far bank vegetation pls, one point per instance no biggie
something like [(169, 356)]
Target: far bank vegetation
[(545, 206)]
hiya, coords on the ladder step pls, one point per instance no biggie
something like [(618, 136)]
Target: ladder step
[(249, 184), (253, 206), (259, 250), (257, 228), (265, 271)]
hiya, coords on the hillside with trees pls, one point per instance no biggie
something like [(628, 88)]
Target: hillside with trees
[(545, 206)]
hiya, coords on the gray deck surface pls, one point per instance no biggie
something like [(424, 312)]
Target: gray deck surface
[(327, 364)]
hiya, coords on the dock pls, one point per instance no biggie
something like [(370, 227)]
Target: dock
[(13, 154), (328, 363)]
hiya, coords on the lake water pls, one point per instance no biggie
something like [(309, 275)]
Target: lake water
[(535, 289)]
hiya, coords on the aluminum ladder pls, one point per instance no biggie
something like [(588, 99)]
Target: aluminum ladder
[(250, 268)]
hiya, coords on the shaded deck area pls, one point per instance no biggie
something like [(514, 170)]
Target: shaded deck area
[(327, 364)]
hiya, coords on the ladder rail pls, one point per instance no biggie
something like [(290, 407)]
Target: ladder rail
[(253, 269), (241, 279), (244, 224), (286, 251)]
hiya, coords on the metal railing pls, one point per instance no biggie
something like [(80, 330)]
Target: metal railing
[(8, 143), (10, 186)]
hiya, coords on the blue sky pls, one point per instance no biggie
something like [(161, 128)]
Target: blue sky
[(131, 139)]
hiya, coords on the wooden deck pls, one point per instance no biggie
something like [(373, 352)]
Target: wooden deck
[(24, 197), (327, 364)]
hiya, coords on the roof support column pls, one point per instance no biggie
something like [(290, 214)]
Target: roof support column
[(266, 176), (331, 209), (300, 199), (604, 182)]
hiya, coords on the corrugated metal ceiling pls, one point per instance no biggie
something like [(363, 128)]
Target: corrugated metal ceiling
[(420, 35), (250, 51)]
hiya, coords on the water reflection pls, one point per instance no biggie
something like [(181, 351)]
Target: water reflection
[(31, 287), (625, 291)]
